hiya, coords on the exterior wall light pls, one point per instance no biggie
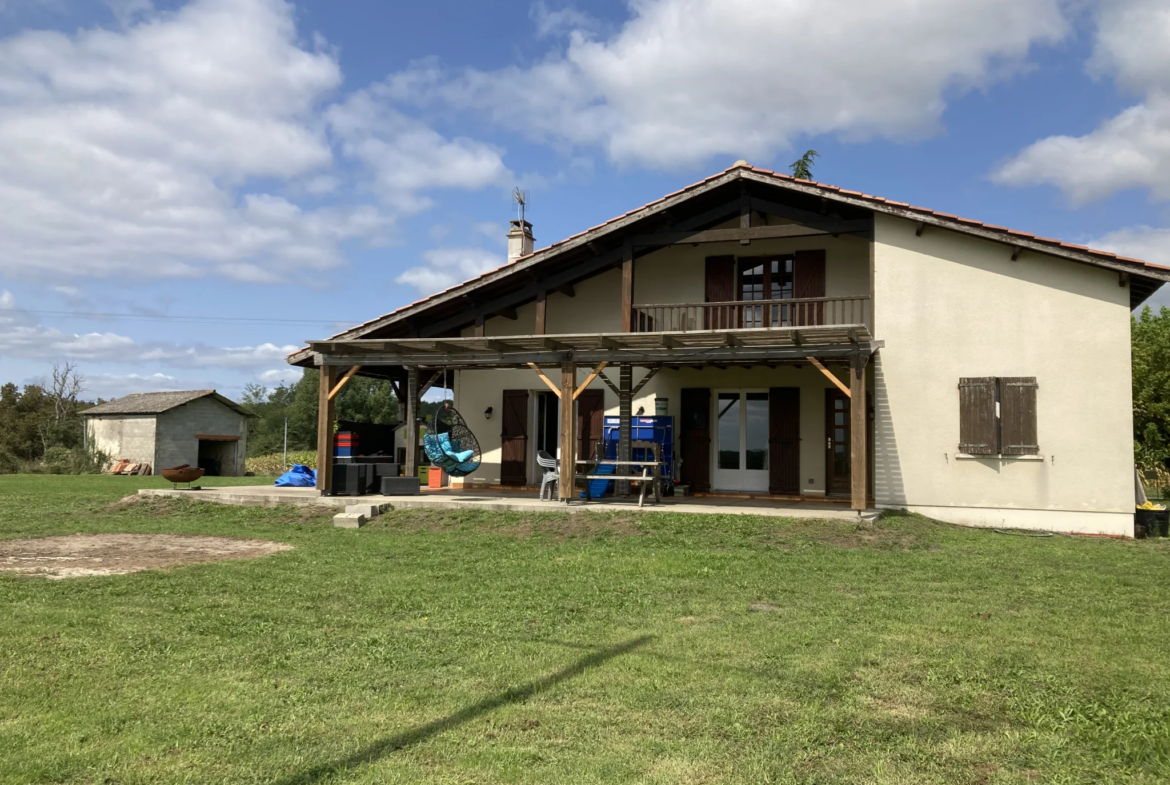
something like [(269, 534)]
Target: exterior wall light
[(487, 413)]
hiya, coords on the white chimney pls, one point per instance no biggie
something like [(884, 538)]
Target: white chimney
[(520, 241)]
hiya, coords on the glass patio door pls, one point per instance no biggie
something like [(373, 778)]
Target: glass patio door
[(741, 441)]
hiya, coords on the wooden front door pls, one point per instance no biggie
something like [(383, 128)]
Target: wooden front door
[(837, 455), (590, 414), (784, 440), (695, 438), (514, 438)]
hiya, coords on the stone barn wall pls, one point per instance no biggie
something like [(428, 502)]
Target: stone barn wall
[(177, 430)]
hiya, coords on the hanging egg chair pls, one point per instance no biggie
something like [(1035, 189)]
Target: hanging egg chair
[(450, 444)]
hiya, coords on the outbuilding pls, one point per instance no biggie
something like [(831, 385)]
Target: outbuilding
[(165, 429)]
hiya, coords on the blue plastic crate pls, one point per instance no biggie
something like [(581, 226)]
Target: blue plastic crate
[(658, 429)]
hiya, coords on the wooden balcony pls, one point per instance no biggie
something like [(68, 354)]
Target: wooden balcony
[(746, 314)]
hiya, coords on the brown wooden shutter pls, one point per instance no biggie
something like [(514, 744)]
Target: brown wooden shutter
[(590, 419), (784, 440), (978, 426), (1017, 412), (720, 288), (808, 280), (514, 438), (695, 438)]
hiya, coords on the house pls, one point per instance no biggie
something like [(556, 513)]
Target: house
[(810, 342), (166, 429)]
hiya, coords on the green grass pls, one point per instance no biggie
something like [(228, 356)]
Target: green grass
[(491, 648)]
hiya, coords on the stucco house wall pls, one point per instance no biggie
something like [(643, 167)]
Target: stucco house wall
[(177, 428), (951, 306), (127, 436)]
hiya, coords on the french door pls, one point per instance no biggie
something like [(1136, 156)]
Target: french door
[(838, 461), (741, 440)]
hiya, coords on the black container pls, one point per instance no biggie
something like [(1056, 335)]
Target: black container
[(400, 486), (1151, 523)]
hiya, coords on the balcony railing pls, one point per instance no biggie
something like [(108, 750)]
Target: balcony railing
[(800, 312)]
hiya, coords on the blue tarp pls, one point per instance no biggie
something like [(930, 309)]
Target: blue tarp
[(297, 477)]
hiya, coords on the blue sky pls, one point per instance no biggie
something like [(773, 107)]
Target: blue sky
[(233, 177)]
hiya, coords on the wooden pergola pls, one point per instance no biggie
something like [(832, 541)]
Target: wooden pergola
[(415, 364)]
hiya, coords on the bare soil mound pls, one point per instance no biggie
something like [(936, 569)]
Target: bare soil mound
[(81, 555)]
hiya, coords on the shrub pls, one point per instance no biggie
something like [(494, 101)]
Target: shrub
[(75, 460), (272, 464), (9, 463)]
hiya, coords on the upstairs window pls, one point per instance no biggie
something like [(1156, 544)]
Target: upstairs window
[(997, 415), (766, 278)]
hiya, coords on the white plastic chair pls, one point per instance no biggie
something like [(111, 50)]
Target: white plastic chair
[(552, 472)]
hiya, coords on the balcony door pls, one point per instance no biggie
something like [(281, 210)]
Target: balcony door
[(741, 441), (766, 278)]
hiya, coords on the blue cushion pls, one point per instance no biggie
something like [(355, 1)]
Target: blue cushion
[(462, 457)]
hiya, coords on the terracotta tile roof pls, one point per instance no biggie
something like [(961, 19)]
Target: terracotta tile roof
[(830, 191)]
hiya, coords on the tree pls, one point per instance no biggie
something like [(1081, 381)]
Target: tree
[(802, 167), (63, 393), (1150, 335)]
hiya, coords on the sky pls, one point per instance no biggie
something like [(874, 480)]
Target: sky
[(191, 190)]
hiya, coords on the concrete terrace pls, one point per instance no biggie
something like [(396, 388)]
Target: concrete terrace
[(510, 501)]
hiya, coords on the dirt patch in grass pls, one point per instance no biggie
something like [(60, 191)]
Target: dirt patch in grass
[(83, 555)]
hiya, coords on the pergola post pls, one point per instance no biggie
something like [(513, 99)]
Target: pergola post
[(326, 415), (858, 422), (566, 484), (625, 408), (410, 429)]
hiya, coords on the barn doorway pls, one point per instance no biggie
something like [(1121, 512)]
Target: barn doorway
[(217, 457)]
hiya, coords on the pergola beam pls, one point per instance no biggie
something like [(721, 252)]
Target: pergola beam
[(556, 390), (651, 356), (589, 379), (831, 376), (344, 380)]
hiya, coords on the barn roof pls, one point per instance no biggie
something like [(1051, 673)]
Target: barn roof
[(159, 402)]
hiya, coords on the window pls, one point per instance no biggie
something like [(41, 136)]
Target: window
[(997, 415), (766, 278)]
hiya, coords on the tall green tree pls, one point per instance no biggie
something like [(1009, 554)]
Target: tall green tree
[(361, 400), (1150, 335)]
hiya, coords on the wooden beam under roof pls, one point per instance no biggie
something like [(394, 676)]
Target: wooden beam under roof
[(752, 233)]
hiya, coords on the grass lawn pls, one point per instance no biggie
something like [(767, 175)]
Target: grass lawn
[(491, 648)]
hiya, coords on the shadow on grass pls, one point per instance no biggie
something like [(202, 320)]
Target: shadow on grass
[(380, 749)]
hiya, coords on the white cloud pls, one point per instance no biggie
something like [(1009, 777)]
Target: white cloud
[(446, 267), (684, 80), (21, 335), (561, 21), (177, 145), (286, 375), (403, 156), (1130, 150)]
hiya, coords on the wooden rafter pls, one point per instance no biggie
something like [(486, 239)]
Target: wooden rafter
[(609, 384), (752, 233), (645, 379), (831, 376), (589, 379), (556, 390), (344, 380)]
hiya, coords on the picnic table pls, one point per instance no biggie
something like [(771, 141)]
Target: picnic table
[(651, 473)]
